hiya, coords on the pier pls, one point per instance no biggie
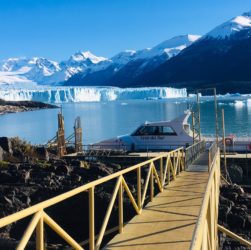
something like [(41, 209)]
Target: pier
[(168, 222), (183, 189)]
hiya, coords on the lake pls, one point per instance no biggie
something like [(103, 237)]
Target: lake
[(102, 120)]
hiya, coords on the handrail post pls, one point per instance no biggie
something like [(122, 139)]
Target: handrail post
[(121, 216), (209, 160), (40, 234), (168, 171), (139, 188), (161, 172), (91, 220), (151, 185)]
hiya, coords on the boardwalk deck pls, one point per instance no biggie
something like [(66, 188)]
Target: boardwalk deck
[(169, 220)]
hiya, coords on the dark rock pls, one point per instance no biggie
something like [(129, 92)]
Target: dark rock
[(226, 202), (248, 222), (8, 201), (19, 154), (245, 199), (63, 169), (235, 173), (26, 176), (236, 221), (6, 177), (13, 167), (5, 144), (223, 212), (232, 196), (42, 153)]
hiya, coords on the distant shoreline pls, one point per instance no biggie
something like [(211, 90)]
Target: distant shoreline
[(7, 107)]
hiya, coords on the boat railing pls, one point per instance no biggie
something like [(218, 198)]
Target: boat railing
[(156, 172), (121, 149), (194, 151)]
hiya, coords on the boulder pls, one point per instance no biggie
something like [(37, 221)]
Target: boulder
[(42, 153), (236, 221), (5, 144), (235, 173), (63, 169)]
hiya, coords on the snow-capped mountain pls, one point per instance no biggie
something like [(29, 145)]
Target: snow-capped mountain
[(78, 62), (128, 64), (221, 58), (170, 47), (232, 27), (84, 68), (44, 71), (24, 70)]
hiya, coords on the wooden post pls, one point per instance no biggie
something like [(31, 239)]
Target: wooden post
[(193, 127), (198, 108), (121, 216), (139, 187), (91, 220), (40, 235), (78, 135), (224, 142), (161, 172), (216, 117), (61, 136), (151, 185)]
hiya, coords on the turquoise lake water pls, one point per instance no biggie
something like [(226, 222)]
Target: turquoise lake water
[(105, 120)]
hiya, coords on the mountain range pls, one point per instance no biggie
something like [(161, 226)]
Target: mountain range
[(221, 58)]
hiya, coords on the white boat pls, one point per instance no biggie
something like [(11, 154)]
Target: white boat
[(162, 135), (167, 135)]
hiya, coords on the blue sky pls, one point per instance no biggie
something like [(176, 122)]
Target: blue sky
[(55, 29)]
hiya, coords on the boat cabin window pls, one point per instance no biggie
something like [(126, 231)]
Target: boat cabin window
[(154, 130)]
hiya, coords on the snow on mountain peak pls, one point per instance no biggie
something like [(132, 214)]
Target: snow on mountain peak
[(43, 71), (124, 57), (85, 55), (170, 47), (14, 64), (231, 27)]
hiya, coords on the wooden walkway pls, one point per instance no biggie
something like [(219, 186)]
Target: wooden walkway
[(169, 220)]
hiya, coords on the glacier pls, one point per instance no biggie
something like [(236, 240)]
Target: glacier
[(54, 94)]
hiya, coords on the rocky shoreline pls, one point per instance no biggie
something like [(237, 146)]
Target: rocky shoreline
[(234, 214), (21, 106), (30, 174)]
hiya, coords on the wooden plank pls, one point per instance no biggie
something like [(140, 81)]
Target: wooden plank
[(169, 220)]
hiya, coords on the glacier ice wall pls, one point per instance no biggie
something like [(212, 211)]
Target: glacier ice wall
[(87, 94)]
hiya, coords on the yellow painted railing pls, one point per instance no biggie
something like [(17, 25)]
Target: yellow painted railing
[(169, 165), (193, 152), (234, 236), (205, 236), (211, 154), (206, 230)]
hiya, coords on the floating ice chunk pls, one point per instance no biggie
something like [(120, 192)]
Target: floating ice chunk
[(249, 102), (239, 104)]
